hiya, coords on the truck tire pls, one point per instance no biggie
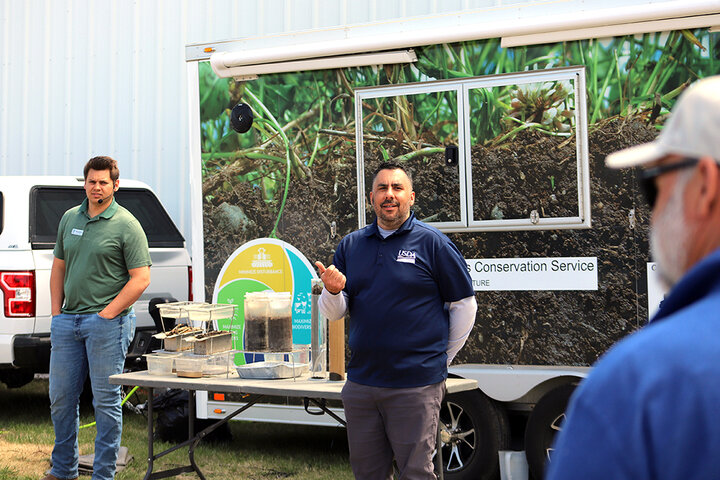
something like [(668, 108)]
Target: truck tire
[(473, 429), (16, 378), (542, 426)]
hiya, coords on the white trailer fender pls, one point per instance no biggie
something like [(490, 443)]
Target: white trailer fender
[(518, 383)]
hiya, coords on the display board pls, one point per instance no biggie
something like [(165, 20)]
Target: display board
[(259, 265)]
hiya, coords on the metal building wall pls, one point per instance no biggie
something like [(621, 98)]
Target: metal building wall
[(85, 77)]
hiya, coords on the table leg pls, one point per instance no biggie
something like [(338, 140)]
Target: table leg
[(438, 456), (191, 433), (191, 442), (323, 407), (252, 400), (150, 433)]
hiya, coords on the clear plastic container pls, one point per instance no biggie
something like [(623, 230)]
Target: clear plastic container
[(280, 322), (210, 312), (160, 364), (271, 370), (177, 309), (190, 366), (256, 321), (177, 343), (211, 342), (318, 332), (220, 363), (196, 366)]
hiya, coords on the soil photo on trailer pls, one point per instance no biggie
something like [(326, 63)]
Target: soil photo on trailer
[(293, 174)]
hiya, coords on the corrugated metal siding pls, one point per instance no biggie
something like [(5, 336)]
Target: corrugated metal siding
[(85, 77)]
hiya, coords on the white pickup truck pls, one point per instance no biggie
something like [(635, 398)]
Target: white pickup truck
[(30, 210)]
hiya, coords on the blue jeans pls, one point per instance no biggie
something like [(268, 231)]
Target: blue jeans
[(83, 344)]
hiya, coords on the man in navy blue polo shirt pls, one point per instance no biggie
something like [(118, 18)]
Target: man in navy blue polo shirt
[(412, 306)]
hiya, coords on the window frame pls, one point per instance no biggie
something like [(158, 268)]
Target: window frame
[(467, 222), (43, 242)]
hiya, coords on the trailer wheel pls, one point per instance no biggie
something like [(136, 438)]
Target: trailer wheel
[(473, 429), (542, 426)]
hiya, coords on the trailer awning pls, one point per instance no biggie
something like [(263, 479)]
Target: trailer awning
[(225, 69), (392, 42)]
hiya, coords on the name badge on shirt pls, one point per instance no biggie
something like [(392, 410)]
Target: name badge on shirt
[(77, 231), (406, 256)]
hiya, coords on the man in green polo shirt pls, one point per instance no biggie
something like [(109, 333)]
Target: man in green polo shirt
[(101, 267)]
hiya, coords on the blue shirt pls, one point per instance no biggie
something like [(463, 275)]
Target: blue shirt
[(649, 409), (397, 288)]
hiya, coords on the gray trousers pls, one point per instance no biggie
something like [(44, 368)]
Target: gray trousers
[(387, 423)]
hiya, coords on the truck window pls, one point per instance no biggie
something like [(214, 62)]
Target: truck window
[(48, 204)]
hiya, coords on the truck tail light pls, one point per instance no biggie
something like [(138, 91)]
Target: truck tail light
[(18, 293), (190, 294)]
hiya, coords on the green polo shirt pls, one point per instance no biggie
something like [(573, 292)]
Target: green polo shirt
[(98, 252)]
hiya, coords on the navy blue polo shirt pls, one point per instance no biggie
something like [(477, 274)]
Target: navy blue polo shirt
[(397, 288)]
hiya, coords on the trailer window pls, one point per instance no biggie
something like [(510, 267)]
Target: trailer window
[(502, 152), (48, 204), (416, 127)]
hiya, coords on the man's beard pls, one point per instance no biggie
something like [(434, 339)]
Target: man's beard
[(396, 219), (669, 238)]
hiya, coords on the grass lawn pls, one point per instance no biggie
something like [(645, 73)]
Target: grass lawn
[(257, 450)]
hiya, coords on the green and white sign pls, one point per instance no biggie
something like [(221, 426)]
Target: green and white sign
[(265, 264)]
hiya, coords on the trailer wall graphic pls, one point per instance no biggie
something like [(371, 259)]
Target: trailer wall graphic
[(506, 146)]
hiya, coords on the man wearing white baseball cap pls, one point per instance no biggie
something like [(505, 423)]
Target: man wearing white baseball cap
[(649, 408)]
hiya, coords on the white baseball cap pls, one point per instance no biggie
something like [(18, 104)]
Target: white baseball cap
[(693, 129)]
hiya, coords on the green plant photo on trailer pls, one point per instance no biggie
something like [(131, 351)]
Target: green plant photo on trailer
[(293, 175), (302, 118)]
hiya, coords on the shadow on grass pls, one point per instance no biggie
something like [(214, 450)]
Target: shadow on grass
[(256, 451), (27, 404)]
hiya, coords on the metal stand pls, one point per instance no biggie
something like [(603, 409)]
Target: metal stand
[(309, 390), (192, 440)]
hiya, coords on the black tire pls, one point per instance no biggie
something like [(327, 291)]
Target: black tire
[(16, 378), (474, 429), (542, 426)]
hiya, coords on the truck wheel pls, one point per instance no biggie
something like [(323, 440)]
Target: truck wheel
[(16, 378), (473, 429), (544, 422)]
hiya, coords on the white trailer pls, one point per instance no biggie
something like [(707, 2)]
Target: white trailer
[(505, 125)]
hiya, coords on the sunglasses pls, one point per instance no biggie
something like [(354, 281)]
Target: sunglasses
[(647, 177)]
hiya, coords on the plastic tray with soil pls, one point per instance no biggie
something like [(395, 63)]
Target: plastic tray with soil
[(214, 341), (173, 340)]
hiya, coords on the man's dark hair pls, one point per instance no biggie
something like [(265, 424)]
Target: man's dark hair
[(102, 163), (391, 166)]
